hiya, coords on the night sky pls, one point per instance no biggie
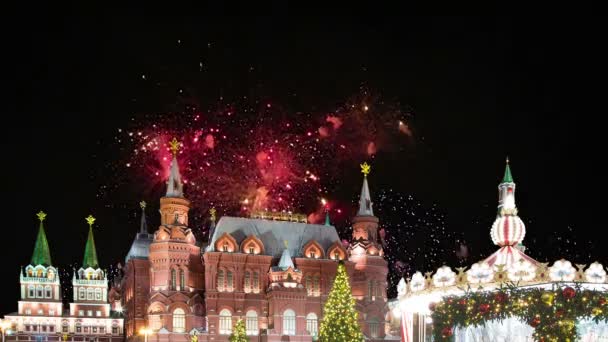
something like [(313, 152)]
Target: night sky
[(474, 90)]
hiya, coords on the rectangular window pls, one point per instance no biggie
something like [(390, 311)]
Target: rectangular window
[(374, 328), (182, 280), (51, 312), (114, 330), (27, 327), (312, 327), (256, 282), (51, 328), (309, 285), (86, 330), (39, 293), (220, 280), (48, 293), (98, 313), (98, 295), (34, 328), (225, 325), (78, 329), (28, 311), (370, 290), (44, 328), (251, 325), (80, 312), (95, 329), (173, 280), (32, 292), (40, 312), (90, 313), (102, 330), (247, 282), (64, 329), (316, 286), (229, 280)]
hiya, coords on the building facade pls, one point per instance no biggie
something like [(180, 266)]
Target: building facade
[(41, 315), (275, 274)]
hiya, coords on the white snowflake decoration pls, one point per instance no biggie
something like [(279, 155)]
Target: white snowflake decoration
[(444, 277), (522, 270), (562, 270), (595, 273), (479, 273), (417, 283)]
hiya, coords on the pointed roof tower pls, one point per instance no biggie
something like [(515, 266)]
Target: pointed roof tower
[(42, 254), (90, 253), (507, 178), (174, 186), (365, 200), (143, 226)]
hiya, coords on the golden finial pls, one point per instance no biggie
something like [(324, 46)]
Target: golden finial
[(365, 169), (212, 212), (90, 220), (286, 243), (174, 146), (41, 215), (142, 204)]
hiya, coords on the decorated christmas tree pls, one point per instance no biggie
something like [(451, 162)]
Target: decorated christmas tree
[(339, 322), (239, 334)]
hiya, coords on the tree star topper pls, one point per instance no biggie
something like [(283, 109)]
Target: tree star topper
[(41, 215), (174, 146), (365, 169), (90, 220)]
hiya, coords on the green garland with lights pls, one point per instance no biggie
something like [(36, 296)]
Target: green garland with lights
[(552, 313), (339, 322)]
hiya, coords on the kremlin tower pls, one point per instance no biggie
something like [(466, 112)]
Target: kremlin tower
[(176, 272), (370, 269)]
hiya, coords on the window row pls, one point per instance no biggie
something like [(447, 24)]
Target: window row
[(89, 294), (225, 281), (40, 312), (40, 328), (89, 313), (39, 291), (39, 273), (252, 323), (313, 285), (182, 280)]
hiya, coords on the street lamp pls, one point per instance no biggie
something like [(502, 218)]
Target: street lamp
[(143, 331), (5, 326)]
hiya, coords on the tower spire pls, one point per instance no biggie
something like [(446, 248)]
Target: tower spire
[(507, 178), (174, 186), (90, 253), (143, 227), (42, 254), (365, 200)]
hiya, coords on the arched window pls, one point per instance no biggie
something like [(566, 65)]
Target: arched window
[(97, 294), (31, 291), (179, 320), (220, 280), (247, 282), (251, 322), (81, 293), (172, 279), (312, 325), (229, 284), (225, 322), (39, 293), (39, 273), (30, 272), (50, 274), (47, 292), (256, 282), (90, 294), (289, 322), (182, 280)]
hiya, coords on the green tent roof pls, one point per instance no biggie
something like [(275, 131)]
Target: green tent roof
[(508, 178), (42, 254), (90, 254)]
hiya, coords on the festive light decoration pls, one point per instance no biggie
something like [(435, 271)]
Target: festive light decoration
[(562, 270), (552, 312), (595, 273), (480, 273), (238, 333), (417, 283), (444, 277), (339, 322)]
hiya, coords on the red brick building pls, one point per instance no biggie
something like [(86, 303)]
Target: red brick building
[(273, 272)]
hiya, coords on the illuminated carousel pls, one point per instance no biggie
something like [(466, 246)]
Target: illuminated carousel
[(509, 296)]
